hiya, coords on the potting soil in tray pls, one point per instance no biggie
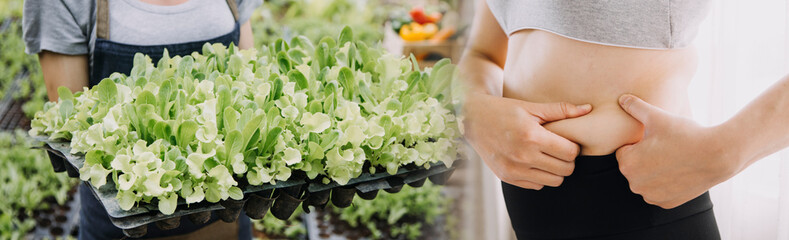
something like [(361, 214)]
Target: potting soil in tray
[(145, 213)]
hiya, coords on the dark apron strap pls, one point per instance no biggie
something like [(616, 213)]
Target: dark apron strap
[(103, 17), (233, 8)]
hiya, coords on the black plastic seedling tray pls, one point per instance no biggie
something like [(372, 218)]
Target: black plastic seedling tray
[(59, 221), (11, 115), (281, 199)]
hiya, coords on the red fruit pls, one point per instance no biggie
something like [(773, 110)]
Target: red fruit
[(418, 15)]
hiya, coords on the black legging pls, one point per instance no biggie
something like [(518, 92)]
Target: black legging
[(595, 202)]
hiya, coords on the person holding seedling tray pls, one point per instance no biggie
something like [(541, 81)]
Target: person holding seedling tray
[(79, 43), (290, 124)]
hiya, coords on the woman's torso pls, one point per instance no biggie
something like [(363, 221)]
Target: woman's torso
[(545, 67)]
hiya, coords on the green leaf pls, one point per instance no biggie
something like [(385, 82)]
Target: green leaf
[(180, 164), (126, 199), (303, 42), (414, 62), (301, 81), (330, 43), (186, 133), (280, 45), (296, 56), (230, 119), (236, 193), (234, 144), (146, 97), (276, 88), (66, 109), (185, 66), (315, 123), (315, 106), (251, 129), (213, 195), (292, 156), (284, 62), (211, 163), (162, 130), (329, 139), (347, 82), (165, 58), (324, 55), (65, 94), (346, 35), (108, 92), (271, 139), (167, 204)]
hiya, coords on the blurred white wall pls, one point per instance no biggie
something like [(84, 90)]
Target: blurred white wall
[(744, 48)]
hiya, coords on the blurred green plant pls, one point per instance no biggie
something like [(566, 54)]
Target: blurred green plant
[(405, 211), (275, 228), (11, 9), (26, 179), (15, 63), (316, 19)]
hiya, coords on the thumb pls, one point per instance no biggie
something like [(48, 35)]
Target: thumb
[(622, 151), (640, 110), (549, 112)]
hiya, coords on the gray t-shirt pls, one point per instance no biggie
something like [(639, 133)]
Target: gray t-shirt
[(69, 26)]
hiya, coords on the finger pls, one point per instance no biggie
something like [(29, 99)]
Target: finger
[(549, 112), (622, 152), (628, 163), (551, 164), (640, 110), (526, 184), (541, 177), (558, 147), (555, 166)]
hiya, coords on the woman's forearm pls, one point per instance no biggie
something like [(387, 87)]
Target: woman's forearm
[(246, 38), (70, 71), (481, 67), (480, 74), (761, 128)]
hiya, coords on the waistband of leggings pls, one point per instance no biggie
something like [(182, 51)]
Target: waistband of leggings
[(594, 164)]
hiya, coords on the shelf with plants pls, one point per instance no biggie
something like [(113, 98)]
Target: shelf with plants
[(22, 90), (36, 200), (413, 213), (270, 227), (289, 123)]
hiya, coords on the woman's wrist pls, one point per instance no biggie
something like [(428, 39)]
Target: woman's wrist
[(729, 147)]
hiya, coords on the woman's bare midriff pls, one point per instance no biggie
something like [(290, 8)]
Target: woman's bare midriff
[(545, 67)]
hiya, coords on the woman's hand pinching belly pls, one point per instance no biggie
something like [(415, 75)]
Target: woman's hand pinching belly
[(508, 135)]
